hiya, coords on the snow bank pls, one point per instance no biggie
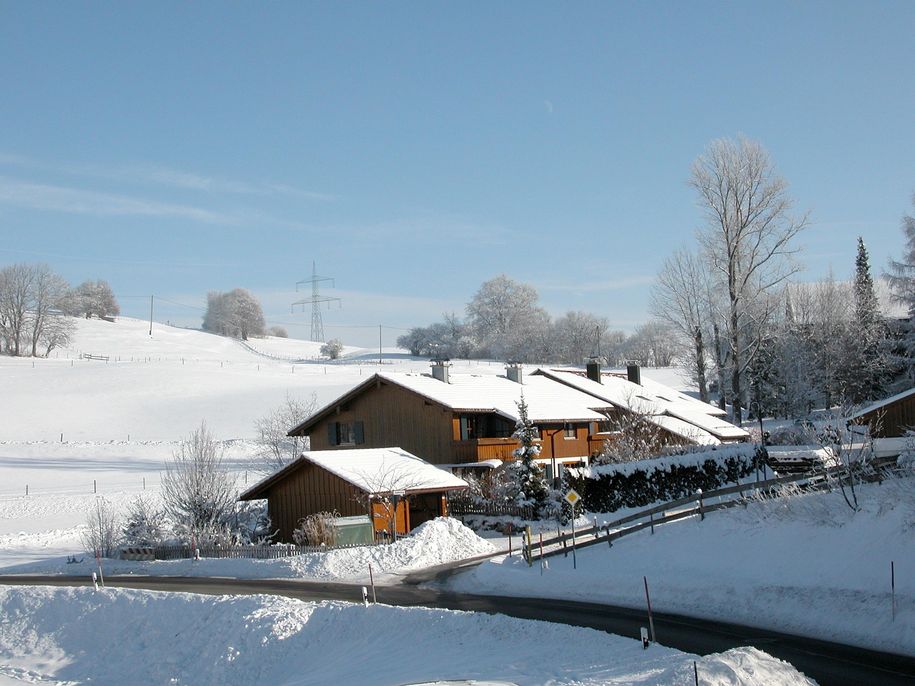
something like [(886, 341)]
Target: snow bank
[(433, 543), (805, 565), (76, 635)]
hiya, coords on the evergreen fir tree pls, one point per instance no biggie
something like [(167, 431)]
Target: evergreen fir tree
[(532, 488), (868, 335)]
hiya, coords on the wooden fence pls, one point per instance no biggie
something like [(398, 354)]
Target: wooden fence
[(460, 508), (259, 552)]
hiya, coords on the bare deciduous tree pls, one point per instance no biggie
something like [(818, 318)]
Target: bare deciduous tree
[(679, 297), (277, 448), (103, 529), (747, 239), (197, 492)]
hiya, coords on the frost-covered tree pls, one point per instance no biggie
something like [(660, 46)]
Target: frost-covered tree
[(95, 298), (236, 313), (867, 340), (198, 493), (332, 348), (145, 523), (679, 297), (32, 303), (103, 529), (532, 490), (748, 241), (575, 337), (901, 277), (278, 332), (504, 317), (277, 449)]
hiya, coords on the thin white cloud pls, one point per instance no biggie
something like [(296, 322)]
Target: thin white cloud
[(163, 176), (79, 201)]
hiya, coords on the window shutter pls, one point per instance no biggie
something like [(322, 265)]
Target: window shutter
[(359, 432), (332, 433)]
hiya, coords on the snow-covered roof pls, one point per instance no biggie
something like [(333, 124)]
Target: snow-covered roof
[(373, 470), (663, 406), (546, 401), (383, 470), (880, 404)]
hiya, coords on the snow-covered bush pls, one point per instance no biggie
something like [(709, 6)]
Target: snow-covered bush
[(145, 524), (251, 524), (530, 485)]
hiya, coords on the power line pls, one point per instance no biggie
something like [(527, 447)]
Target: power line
[(316, 299)]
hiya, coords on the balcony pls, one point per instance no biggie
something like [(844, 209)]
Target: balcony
[(479, 449)]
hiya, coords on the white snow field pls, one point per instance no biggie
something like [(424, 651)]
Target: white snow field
[(822, 574), (77, 635)]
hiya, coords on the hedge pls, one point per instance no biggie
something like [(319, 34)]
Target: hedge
[(608, 488)]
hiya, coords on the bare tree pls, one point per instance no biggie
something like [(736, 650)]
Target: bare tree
[(16, 283), (277, 448), (197, 492), (747, 238), (103, 529), (32, 309), (679, 297), (48, 291)]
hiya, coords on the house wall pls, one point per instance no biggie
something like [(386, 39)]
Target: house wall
[(892, 420), (307, 491), (393, 416)]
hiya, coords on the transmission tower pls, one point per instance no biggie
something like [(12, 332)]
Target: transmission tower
[(316, 300)]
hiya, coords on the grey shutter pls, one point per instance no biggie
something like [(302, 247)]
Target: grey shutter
[(332, 433), (359, 432)]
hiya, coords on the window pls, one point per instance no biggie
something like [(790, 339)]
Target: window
[(569, 430), (345, 433)]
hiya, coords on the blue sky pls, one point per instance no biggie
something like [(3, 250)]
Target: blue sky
[(414, 150)]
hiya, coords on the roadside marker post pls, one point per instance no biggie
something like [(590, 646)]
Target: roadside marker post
[(365, 596), (644, 634), (372, 581), (572, 498), (893, 586), (650, 617)]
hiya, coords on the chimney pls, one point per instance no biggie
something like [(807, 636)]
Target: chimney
[(634, 373), (513, 371), (440, 370), (593, 368)]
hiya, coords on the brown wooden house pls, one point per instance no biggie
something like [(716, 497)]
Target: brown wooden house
[(889, 418), (397, 490), (458, 421)]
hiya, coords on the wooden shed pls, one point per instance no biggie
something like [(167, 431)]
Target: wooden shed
[(889, 418), (397, 489)]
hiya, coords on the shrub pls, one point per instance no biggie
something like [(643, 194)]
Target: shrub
[(317, 529)]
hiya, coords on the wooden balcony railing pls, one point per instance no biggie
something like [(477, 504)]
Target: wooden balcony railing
[(479, 449)]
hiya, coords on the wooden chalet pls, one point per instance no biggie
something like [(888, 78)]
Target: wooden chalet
[(396, 489), (889, 418), (458, 421)]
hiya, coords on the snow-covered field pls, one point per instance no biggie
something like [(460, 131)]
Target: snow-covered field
[(68, 636), (816, 569)]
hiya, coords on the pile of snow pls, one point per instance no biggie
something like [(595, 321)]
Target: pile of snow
[(76, 635), (805, 564), (433, 543)]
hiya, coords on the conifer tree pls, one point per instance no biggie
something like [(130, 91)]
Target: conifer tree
[(868, 335), (532, 488), (902, 283)]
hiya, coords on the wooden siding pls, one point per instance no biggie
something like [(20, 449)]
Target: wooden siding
[(891, 420), (307, 491), (393, 416)]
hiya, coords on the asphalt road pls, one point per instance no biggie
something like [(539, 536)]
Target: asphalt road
[(828, 663)]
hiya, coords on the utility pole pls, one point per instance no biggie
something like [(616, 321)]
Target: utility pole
[(316, 299), (150, 313), (379, 344)]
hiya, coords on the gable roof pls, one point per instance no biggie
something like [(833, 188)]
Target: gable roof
[(659, 404), (372, 470), (547, 401)]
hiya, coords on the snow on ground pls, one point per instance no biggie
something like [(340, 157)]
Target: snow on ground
[(805, 565), (433, 543), (76, 635)]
